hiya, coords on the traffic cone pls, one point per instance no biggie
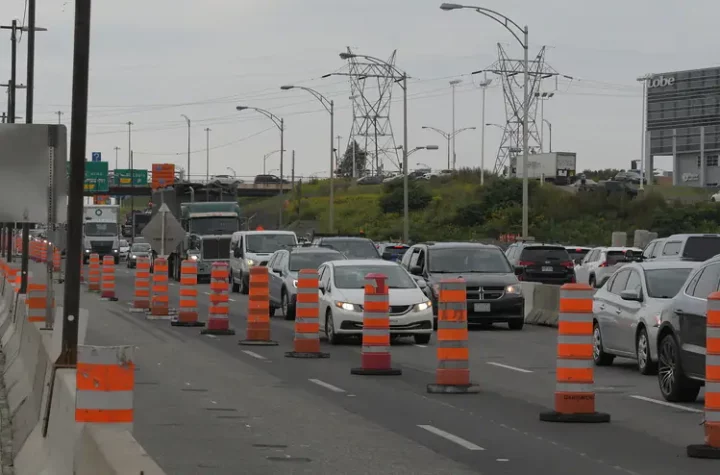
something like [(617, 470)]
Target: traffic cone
[(160, 303), (107, 288), (258, 325), (187, 315), (307, 317), (375, 355), (218, 322), (94, 273), (141, 302)]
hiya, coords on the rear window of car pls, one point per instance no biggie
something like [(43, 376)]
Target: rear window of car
[(394, 252), (544, 253), (353, 248), (701, 248), (576, 254), (628, 255)]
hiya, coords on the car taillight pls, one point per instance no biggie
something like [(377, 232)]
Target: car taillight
[(525, 263), (568, 264), (604, 264)]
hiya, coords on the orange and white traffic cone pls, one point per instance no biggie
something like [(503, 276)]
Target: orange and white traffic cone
[(141, 302), (711, 448), (307, 317), (94, 274), (159, 306), (453, 371), (218, 322), (258, 324), (375, 355), (107, 288), (575, 380), (187, 315)]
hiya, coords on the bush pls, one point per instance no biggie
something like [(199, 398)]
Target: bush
[(393, 201)]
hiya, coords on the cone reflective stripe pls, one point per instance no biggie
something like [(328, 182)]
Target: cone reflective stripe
[(160, 300), (141, 298), (36, 302), (375, 357), (574, 390), (43, 251), (14, 277), (258, 324), (218, 322), (94, 273), (57, 260), (307, 317), (711, 448), (105, 380), (188, 311), (107, 289), (453, 370)]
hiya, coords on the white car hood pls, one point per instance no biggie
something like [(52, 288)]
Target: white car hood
[(397, 296)]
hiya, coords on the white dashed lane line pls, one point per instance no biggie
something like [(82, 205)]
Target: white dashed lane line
[(512, 368), (451, 437), (254, 355), (667, 404), (327, 385)]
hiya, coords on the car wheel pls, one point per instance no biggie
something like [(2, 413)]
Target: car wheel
[(332, 337), (422, 339), (234, 285), (243, 286), (516, 324), (599, 356), (287, 309), (592, 281), (272, 309), (646, 365), (674, 385)]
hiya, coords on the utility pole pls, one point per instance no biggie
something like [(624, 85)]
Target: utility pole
[(30, 81), (187, 119), (207, 154), (59, 114), (354, 163), (117, 149), (13, 72), (78, 143), (484, 85), (130, 124), (452, 134)]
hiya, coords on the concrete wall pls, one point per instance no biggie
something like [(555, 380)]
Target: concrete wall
[(68, 448)]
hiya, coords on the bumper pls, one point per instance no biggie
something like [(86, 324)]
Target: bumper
[(652, 337), (494, 311), (539, 279), (411, 323)]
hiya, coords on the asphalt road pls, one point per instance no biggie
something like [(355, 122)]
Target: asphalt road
[(205, 405)]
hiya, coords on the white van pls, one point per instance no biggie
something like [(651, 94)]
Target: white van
[(254, 248)]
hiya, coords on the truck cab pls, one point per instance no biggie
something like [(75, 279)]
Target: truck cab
[(101, 231), (254, 248)]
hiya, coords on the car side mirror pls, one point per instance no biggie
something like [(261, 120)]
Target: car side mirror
[(519, 270), (277, 270), (631, 295), (422, 283), (321, 288), (237, 253), (416, 270)]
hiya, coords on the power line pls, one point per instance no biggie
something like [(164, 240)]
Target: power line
[(227, 144)]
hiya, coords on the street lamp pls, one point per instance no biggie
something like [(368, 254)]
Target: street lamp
[(542, 97), (426, 147), (453, 83), (448, 137), (188, 151), (517, 31), (644, 80), (280, 124), (549, 132), (330, 107), (266, 156), (400, 77)]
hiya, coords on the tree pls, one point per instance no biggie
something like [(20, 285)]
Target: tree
[(393, 200), (345, 165)]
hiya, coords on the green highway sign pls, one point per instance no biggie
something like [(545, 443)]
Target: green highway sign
[(131, 177), (96, 176)]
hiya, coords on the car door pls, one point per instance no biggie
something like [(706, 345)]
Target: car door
[(324, 296), (648, 252), (693, 319), (278, 277), (274, 296), (611, 311), (629, 314), (582, 272)]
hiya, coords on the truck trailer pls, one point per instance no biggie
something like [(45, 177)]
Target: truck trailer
[(556, 167), (209, 219), (101, 231)]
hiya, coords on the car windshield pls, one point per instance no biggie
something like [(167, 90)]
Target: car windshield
[(312, 260), (544, 253), (101, 229), (143, 247), (353, 248), (124, 243), (353, 277), (665, 283), (267, 243), (487, 261), (213, 226), (701, 248)]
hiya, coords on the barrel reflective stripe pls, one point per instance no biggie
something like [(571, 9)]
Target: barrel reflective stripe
[(376, 318), (712, 372), (375, 348), (219, 309), (447, 325), (108, 277), (258, 325), (188, 311), (307, 313), (574, 388), (56, 259), (160, 298), (457, 306), (452, 335), (575, 317), (36, 302), (105, 380), (142, 283), (94, 273)]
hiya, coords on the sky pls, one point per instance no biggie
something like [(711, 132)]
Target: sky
[(152, 61)]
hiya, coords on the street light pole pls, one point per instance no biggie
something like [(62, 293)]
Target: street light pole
[(454, 156), (549, 132), (188, 146), (644, 80), (406, 198), (484, 85), (207, 154), (117, 149), (30, 80)]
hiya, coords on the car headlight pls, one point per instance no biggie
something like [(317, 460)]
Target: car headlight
[(133, 256), (421, 307), (193, 257), (115, 250), (513, 289), (87, 251), (295, 283), (347, 306), (250, 262)]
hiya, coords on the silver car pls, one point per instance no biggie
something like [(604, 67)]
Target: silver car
[(284, 266), (140, 249), (627, 311)]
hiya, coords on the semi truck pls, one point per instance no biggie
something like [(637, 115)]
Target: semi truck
[(101, 231), (209, 220), (556, 167)]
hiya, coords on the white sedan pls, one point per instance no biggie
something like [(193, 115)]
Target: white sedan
[(342, 292)]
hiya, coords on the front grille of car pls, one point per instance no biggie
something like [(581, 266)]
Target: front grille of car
[(485, 293), (101, 247), (395, 309), (216, 248)]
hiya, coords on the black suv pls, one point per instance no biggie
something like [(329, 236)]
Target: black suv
[(493, 293), (353, 247), (542, 263), (681, 335), (269, 180)]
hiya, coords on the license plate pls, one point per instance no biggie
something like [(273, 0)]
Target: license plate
[(547, 269), (482, 307)]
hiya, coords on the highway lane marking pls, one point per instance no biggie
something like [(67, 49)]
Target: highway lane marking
[(513, 368), (327, 385), (502, 460), (452, 438), (421, 346), (254, 355), (232, 300), (666, 404)]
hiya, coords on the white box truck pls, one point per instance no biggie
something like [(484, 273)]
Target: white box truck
[(101, 231), (556, 167)]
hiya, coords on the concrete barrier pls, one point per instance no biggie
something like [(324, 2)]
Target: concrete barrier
[(35, 398), (541, 303)]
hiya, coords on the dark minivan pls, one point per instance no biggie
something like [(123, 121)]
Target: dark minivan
[(542, 263)]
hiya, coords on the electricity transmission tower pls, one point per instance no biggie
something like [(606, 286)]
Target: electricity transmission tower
[(511, 76), (371, 86)]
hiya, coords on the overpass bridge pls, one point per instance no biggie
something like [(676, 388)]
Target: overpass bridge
[(239, 190)]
